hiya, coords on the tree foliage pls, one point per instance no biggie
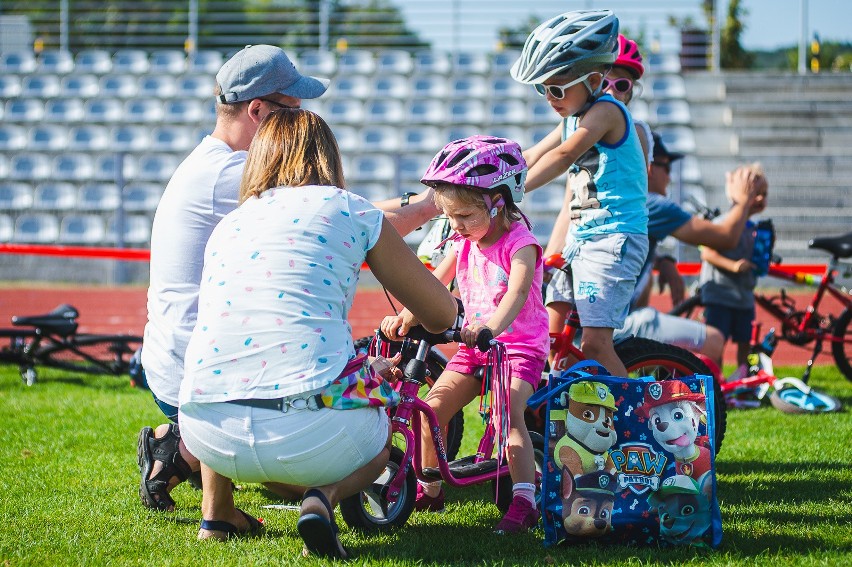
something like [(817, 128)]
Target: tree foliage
[(733, 55)]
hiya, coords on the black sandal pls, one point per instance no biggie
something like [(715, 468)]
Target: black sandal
[(230, 530), (320, 534), (149, 449)]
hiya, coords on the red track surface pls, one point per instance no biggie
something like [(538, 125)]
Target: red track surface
[(122, 310)]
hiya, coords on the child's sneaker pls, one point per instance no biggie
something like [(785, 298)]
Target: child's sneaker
[(427, 503), (520, 517)]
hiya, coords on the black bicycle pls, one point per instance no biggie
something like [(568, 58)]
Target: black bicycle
[(52, 341)]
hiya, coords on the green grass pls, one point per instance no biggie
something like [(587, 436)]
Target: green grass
[(68, 494)]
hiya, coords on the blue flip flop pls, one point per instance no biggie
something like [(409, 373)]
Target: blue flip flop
[(320, 534)]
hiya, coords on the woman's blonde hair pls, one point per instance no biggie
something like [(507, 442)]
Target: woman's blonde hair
[(292, 148)]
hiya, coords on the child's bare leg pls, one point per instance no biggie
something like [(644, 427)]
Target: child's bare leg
[(521, 454), (597, 345), (448, 395), (557, 312)]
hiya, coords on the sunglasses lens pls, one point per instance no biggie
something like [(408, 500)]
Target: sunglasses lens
[(556, 91), (623, 85), (540, 89)]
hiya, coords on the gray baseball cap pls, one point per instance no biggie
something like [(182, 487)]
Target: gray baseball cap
[(260, 70)]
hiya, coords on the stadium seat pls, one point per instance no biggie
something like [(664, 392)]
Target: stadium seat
[(172, 139), (105, 167), (130, 138), (196, 86), (7, 228), (468, 111), (55, 196), (315, 105), (502, 61), (347, 138), (137, 230), (17, 62), (538, 133), (47, 138), (426, 111), (411, 167), (390, 87), (183, 111), (546, 199), (678, 139), (470, 63), (660, 63), (669, 112), (422, 139), (155, 167), (89, 137), (542, 226), (23, 110), (431, 62), (98, 197), (143, 110), (132, 61), (10, 86), (156, 86), (117, 86), (469, 87), (316, 62), (502, 88), (142, 197), (103, 111), (344, 111), (36, 228), (30, 166), (167, 62), (73, 166), (540, 112), (12, 137), (670, 86), (394, 62), (373, 168), (4, 167), (55, 62), (507, 111), (206, 62), (356, 62), (350, 87), (40, 86), (15, 196), (429, 87), (79, 86), (639, 109), (687, 170), (379, 139), (81, 229), (385, 112), (459, 131), (511, 132), (96, 61)]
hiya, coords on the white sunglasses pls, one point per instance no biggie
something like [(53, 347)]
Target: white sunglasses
[(558, 91)]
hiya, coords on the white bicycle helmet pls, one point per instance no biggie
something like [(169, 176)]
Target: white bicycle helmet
[(570, 43)]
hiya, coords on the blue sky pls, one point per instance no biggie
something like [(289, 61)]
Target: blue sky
[(772, 23)]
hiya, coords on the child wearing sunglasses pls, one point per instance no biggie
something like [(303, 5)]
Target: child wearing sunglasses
[(602, 227), (622, 84)]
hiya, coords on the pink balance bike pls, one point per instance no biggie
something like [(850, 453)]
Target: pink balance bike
[(389, 502)]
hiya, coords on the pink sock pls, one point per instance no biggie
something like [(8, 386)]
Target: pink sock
[(525, 489)]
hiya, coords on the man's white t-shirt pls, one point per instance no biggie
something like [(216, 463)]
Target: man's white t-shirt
[(203, 189)]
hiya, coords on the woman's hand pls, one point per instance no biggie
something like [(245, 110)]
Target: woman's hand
[(743, 266), (395, 327), (388, 369)]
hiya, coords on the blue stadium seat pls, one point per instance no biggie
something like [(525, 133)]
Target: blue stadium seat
[(429, 87), (507, 111), (373, 168), (105, 167), (379, 139), (391, 87), (155, 167), (118, 86), (167, 62), (196, 86), (55, 196), (15, 196), (79, 86), (73, 166), (10, 86), (678, 139), (432, 62), (64, 110), (29, 166), (40, 86), (183, 111), (350, 87), (502, 61), (47, 138), (423, 138), (469, 87), (670, 112), (172, 139), (459, 131), (344, 111), (316, 62), (506, 87), (411, 167), (24, 110), (137, 230), (132, 61), (7, 228), (354, 62), (394, 62), (660, 63), (470, 63), (386, 111), (89, 138), (81, 229), (427, 111), (159, 86), (540, 112), (670, 86), (96, 61), (142, 197), (103, 110), (205, 62), (467, 111), (17, 62), (372, 191), (347, 138), (143, 110), (12, 137), (98, 197), (56, 62), (36, 228), (515, 133)]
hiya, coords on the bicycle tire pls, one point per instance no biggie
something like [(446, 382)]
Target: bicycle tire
[(435, 364), (841, 333), (645, 357), (369, 510), (90, 354), (794, 400)]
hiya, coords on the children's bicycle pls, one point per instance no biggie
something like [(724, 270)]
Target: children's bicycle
[(802, 327), (389, 502), (51, 340)]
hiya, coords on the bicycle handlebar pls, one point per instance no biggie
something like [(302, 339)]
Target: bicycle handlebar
[(484, 340)]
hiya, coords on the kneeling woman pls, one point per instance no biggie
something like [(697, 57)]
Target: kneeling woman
[(272, 342)]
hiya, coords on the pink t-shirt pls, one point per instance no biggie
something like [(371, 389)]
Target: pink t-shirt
[(483, 279)]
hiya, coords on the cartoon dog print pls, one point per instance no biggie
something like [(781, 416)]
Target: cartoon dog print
[(589, 429), (683, 506), (674, 413), (587, 503), (585, 205)]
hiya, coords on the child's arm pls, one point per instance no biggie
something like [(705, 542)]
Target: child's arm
[(549, 142), (602, 122), (714, 258), (560, 227), (521, 275)]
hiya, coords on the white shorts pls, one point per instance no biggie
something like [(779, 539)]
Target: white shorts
[(648, 323), (604, 271), (300, 447)]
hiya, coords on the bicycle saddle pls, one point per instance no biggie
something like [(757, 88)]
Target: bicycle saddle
[(839, 246), (61, 321)]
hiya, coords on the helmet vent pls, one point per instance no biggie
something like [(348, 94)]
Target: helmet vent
[(481, 169), (458, 157), (509, 158)]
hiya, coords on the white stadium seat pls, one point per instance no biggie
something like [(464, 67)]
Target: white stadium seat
[(379, 139), (156, 86), (96, 61), (30, 166), (47, 137), (431, 62), (81, 229), (15, 196), (55, 61), (40, 86), (17, 62), (167, 62), (143, 110), (385, 112), (394, 62), (206, 62), (98, 197), (12, 137), (10, 86), (103, 110), (37, 228), (350, 87), (142, 197), (427, 111), (55, 196), (24, 110), (79, 86), (353, 62), (471, 63), (89, 137), (118, 86), (74, 167), (319, 63), (133, 61)]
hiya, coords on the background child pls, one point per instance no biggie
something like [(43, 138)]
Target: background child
[(566, 58), (622, 84), (497, 263), (728, 278)]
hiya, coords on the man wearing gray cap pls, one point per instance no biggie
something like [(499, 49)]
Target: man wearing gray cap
[(256, 81)]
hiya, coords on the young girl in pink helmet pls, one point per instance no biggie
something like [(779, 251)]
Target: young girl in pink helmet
[(497, 263), (622, 84)]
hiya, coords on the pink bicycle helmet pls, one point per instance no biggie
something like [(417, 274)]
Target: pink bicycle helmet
[(488, 163), (629, 57)]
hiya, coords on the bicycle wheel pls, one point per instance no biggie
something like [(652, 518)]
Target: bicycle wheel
[(644, 357), (841, 334), (370, 511), (90, 354), (791, 399), (435, 363)]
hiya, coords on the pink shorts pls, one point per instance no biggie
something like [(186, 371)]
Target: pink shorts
[(524, 367)]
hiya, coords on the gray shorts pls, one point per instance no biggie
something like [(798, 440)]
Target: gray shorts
[(648, 323), (604, 271)]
